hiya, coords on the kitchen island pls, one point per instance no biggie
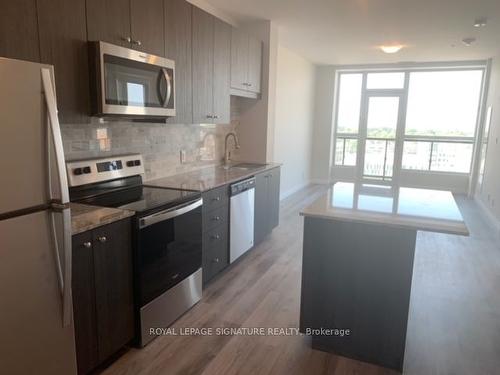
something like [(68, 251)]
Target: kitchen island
[(359, 246)]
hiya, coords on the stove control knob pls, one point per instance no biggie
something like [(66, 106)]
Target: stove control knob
[(137, 162), (86, 170), (130, 163), (77, 171)]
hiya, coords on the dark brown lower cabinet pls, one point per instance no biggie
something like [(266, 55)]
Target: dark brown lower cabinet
[(215, 232), (267, 203), (102, 293)]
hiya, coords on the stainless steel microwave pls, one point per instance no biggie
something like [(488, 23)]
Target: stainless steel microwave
[(125, 82)]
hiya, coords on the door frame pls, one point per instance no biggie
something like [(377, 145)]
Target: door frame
[(366, 94)]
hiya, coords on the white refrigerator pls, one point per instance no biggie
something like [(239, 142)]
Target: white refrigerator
[(36, 327)]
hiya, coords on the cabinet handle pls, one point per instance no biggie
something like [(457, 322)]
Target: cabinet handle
[(216, 260), (215, 218), (102, 239), (127, 39), (136, 42), (175, 276), (215, 237), (216, 199), (87, 244)]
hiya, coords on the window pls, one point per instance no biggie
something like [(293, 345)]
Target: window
[(346, 151), (385, 80), (441, 120), (430, 116), (349, 104), (443, 103)]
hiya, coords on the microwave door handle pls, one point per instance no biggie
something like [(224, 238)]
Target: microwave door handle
[(168, 81), (55, 137)]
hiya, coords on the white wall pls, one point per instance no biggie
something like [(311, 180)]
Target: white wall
[(295, 97), (489, 192), (323, 124)]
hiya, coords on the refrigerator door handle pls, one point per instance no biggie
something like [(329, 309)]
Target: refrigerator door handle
[(64, 273), (55, 136)]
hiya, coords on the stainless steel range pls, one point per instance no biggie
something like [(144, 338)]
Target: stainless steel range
[(167, 236)]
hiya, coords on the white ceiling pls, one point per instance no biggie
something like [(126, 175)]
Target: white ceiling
[(348, 31)]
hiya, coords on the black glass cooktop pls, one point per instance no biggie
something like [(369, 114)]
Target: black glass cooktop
[(141, 198)]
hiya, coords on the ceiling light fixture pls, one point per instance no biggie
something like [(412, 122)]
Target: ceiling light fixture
[(468, 41), (391, 48), (480, 22)]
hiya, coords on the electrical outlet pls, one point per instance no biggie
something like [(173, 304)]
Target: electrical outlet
[(183, 156)]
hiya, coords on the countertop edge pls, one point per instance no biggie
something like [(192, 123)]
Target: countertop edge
[(426, 225), (97, 221), (157, 182)]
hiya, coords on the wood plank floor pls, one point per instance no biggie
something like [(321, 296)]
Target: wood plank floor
[(454, 325)]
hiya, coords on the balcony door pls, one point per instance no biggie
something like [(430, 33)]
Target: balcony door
[(381, 135)]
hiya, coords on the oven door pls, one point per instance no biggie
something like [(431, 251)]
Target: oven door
[(168, 249), (133, 83)]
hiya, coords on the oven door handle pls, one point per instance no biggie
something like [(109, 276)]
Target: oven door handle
[(169, 214)]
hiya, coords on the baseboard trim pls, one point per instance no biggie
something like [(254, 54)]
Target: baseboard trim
[(488, 215)]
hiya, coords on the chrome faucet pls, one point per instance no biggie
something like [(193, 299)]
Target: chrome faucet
[(227, 153)]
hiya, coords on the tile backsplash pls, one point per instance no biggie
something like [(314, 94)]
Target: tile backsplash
[(160, 144)]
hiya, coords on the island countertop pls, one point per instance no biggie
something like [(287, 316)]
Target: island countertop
[(208, 178), (85, 217), (419, 209)]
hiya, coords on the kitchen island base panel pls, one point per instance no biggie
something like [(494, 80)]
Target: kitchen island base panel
[(357, 276)]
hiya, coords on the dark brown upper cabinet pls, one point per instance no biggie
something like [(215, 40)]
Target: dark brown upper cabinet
[(136, 24), (147, 26), (246, 64), (178, 47), (222, 71), (211, 46), (64, 45), (18, 30), (109, 21)]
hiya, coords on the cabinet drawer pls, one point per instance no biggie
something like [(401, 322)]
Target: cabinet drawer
[(214, 217), (215, 198), (215, 252), (216, 237)]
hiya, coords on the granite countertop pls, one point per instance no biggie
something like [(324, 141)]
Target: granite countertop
[(208, 178), (85, 217), (419, 209)]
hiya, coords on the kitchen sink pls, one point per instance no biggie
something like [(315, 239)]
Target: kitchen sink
[(245, 166)]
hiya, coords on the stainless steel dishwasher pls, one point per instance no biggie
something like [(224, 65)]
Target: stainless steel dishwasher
[(241, 218)]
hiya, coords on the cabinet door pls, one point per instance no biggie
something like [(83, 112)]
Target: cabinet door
[(203, 66), (146, 22), (274, 198), (109, 21), (222, 71), (113, 285), (239, 59), (261, 216), (178, 33), (19, 30), (254, 64), (64, 45), (84, 316)]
